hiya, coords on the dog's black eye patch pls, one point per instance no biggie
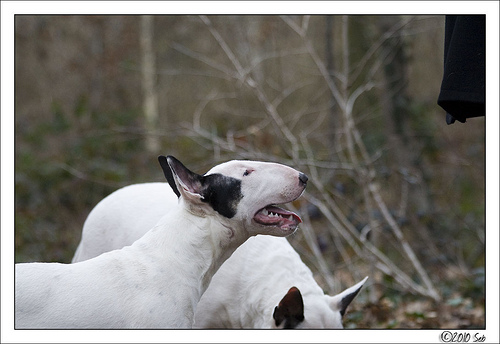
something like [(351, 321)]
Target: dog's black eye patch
[(223, 193)]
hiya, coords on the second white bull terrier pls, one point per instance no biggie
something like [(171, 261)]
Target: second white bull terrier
[(158, 281), (264, 284)]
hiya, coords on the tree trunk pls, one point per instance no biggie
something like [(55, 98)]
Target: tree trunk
[(150, 95)]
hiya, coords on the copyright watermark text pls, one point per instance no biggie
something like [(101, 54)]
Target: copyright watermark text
[(461, 337)]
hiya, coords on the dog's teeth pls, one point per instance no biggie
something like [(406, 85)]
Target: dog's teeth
[(273, 214)]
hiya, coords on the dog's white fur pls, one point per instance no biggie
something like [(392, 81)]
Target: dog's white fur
[(248, 286), (158, 280)]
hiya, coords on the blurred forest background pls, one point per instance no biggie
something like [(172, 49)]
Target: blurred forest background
[(394, 192)]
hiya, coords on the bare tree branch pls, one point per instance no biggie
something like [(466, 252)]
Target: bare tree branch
[(270, 109), (200, 57), (299, 30), (366, 173)]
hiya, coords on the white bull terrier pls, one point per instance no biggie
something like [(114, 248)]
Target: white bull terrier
[(264, 284), (158, 281)]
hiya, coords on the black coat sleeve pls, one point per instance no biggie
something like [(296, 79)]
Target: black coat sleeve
[(462, 93)]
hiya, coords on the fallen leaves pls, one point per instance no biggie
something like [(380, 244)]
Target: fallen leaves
[(455, 312)]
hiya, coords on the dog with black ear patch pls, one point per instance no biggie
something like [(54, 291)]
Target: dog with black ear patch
[(248, 286), (158, 280)]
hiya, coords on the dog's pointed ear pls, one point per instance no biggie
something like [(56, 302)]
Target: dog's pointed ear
[(290, 310), (341, 301), (181, 179), (168, 174)]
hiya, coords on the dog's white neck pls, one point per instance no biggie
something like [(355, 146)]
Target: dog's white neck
[(197, 246)]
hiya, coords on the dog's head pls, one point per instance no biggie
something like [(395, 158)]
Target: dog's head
[(246, 192), (316, 312)]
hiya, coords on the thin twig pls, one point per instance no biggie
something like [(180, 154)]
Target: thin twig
[(404, 243)]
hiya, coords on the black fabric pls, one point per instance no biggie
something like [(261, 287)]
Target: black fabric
[(462, 92)]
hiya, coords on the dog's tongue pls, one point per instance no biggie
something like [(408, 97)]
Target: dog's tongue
[(275, 216)]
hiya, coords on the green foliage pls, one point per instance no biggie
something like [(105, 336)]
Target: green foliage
[(59, 122), (90, 159)]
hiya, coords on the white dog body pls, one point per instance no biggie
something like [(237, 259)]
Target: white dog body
[(124, 288), (245, 291), (249, 285), (158, 280)]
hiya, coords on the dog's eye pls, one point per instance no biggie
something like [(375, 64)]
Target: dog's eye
[(247, 172)]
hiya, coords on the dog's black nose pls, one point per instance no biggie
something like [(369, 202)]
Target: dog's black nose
[(303, 178)]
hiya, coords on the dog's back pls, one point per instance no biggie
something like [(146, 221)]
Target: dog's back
[(128, 209)]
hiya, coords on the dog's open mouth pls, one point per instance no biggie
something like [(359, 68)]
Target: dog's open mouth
[(275, 216)]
